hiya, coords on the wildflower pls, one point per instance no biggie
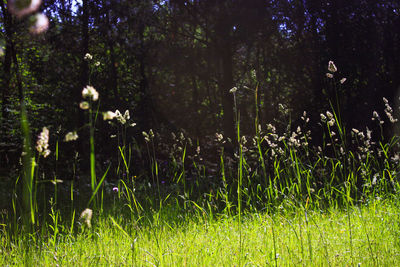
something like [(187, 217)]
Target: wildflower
[(42, 143), (86, 217), (331, 67), (22, 8), (90, 92), (342, 80), (109, 115), (88, 57), (71, 136), (233, 90), (97, 63), (355, 131), (329, 75), (115, 189), (84, 105), (40, 24), (330, 115)]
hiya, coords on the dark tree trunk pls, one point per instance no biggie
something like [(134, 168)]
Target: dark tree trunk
[(84, 78), (225, 83)]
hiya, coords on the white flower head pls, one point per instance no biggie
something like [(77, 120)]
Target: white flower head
[(119, 117), (84, 105), (332, 67), (40, 24), (329, 75), (97, 63), (71, 136), (323, 118), (146, 137), (330, 115), (126, 115), (233, 90), (42, 143), (86, 217), (342, 81), (109, 115), (90, 92), (88, 57)]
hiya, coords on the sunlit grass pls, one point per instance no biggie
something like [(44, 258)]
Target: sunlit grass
[(172, 238)]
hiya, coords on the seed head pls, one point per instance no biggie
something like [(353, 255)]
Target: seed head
[(86, 217), (84, 105), (331, 67), (42, 143), (109, 115), (88, 57), (71, 136), (90, 92)]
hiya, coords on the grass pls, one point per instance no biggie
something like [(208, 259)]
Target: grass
[(275, 199), (173, 238)]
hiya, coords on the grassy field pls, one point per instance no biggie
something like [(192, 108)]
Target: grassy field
[(368, 235), (275, 199)]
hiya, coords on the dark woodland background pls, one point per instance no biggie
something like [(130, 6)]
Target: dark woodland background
[(172, 64)]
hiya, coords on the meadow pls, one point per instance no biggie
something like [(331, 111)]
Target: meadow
[(276, 199), (123, 143), (367, 235)]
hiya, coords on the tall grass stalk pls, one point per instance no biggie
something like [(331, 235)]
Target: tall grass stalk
[(93, 179), (28, 210)]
